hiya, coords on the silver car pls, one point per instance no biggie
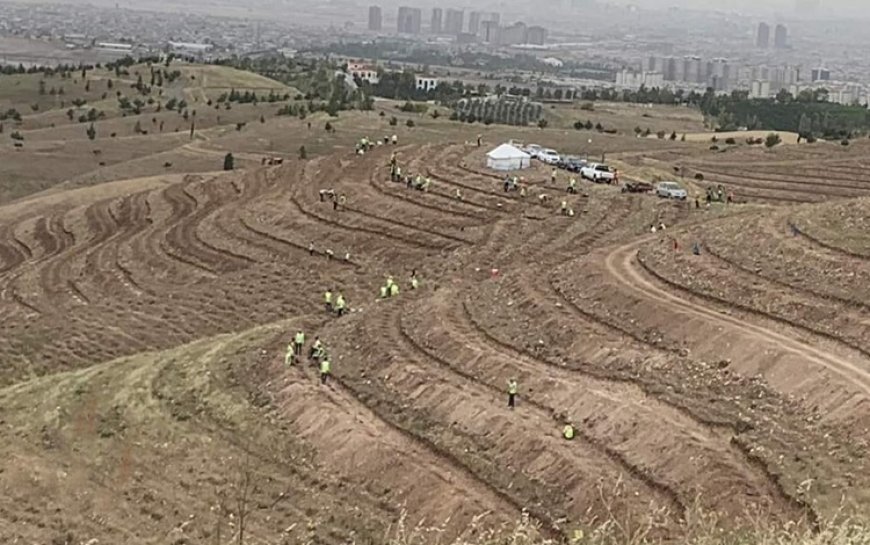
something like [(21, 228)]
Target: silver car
[(671, 190)]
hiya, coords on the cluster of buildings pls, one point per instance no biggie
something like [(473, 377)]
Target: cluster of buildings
[(482, 27), (82, 33), (369, 73), (761, 81), (692, 70)]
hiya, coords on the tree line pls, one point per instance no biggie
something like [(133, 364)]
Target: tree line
[(809, 114)]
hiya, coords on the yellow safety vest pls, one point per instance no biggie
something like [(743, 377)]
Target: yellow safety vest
[(568, 431), (325, 367), (339, 303), (300, 338), (512, 387), (328, 297), (394, 290)]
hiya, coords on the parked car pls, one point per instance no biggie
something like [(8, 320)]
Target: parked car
[(549, 156), (637, 187), (533, 150), (598, 173), (671, 190), (572, 164)]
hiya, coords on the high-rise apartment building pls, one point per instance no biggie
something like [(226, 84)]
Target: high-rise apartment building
[(409, 20), (489, 32), (762, 37), (692, 70), (376, 18), (633, 80), (820, 74), (536, 35), (436, 25), (670, 68), (759, 89), (513, 35), (474, 20), (656, 64), (719, 74), (780, 37), (454, 20)]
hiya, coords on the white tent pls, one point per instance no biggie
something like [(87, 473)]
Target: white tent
[(507, 157)]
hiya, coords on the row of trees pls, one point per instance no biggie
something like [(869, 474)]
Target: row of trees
[(588, 126), (251, 97), (92, 115), (503, 111)]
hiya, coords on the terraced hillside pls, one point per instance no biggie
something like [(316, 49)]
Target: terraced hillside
[(789, 174), (143, 326)]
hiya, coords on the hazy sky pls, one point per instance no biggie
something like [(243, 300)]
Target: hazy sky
[(784, 6)]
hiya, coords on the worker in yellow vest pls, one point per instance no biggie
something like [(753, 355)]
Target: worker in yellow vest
[(327, 297), (512, 392), (340, 305), (316, 349), (290, 356), (568, 432), (394, 290), (299, 341), (325, 369)]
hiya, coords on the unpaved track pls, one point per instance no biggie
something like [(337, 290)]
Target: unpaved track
[(620, 264)]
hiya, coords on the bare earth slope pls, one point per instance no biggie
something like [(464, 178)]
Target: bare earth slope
[(143, 325)]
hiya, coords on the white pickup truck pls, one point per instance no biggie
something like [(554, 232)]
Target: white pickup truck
[(598, 173)]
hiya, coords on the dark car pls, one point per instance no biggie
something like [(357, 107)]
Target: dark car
[(572, 164), (637, 187)]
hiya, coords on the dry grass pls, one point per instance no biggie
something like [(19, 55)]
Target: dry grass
[(700, 529), (625, 117), (741, 136)]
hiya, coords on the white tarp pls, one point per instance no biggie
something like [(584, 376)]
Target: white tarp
[(507, 157)]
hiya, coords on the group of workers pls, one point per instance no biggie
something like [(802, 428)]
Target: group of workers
[(327, 252), (338, 200), (335, 303), (391, 288), (509, 184), (317, 354), (418, 182), (367, 144), (718, 195)]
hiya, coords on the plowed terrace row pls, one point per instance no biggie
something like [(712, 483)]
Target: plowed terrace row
[(595, 336)]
